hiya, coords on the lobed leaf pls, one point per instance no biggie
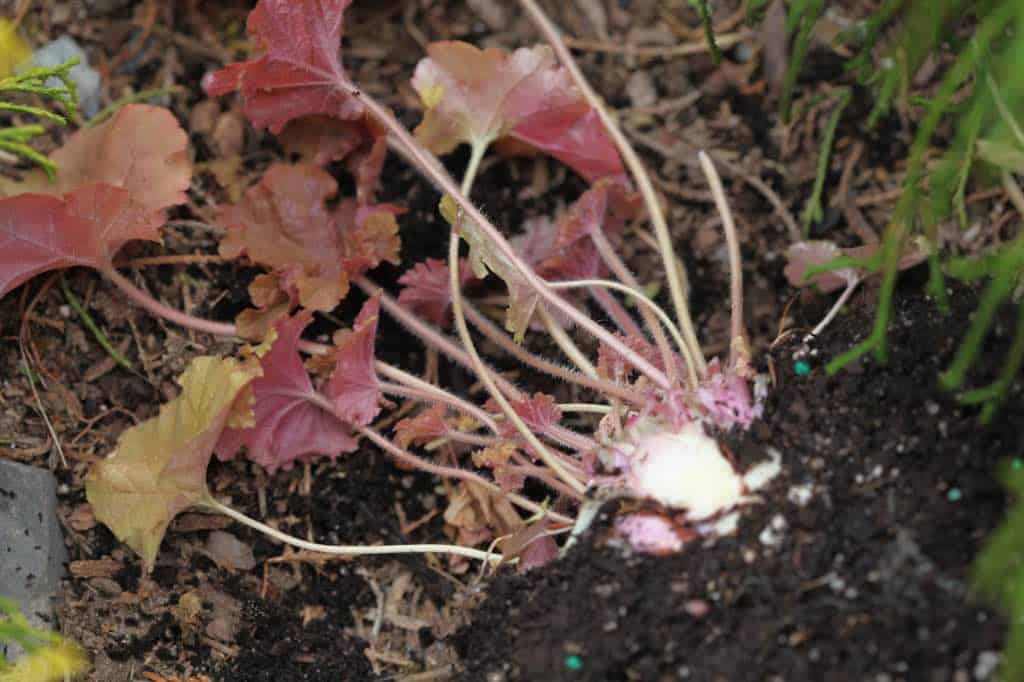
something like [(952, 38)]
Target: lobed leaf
[(322, 139), (114, 184), (606, 207), (478, 96), (299, 72), (353, 387), (290, 422), (84, 227), (811, 256), (426, 426), (426, 290), (284, 223), (158, 468), (141, 148)]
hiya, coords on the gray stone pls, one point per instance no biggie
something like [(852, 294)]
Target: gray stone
[(32, 553), (87, 79)]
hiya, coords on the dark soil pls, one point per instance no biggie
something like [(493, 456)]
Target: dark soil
[(868, 580)]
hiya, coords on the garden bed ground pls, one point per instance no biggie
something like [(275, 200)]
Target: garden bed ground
[(866, 580)]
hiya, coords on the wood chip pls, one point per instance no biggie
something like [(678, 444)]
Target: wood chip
[(95, 568)]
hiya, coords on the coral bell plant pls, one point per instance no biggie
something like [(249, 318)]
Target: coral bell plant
[(654, 402)]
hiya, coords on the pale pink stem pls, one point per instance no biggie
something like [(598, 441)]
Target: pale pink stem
[(636, 168), (472, 439), (570, 438), (625, 322), (601, 386), (406, 457), (619, 269), (739, 350), (432, 393), (541, 474), (432, 169), (430, 336), (840, 302), (144, 300)]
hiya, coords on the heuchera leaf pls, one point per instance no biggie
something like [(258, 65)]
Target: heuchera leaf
[(284, 223), (564, 251), (478, 96), (141, 148), (540, 412), (116, 180), (802, 255), (353, 388), (159, 466), (426, 426), (426, 290), (321, 140), (85, 227), (522, 298), (288, 425), (299, 72)]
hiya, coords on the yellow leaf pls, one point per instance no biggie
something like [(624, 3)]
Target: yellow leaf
[(47, 664), (159, 466), (13, 49)]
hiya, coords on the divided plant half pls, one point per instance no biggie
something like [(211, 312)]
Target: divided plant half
[(652, 400)]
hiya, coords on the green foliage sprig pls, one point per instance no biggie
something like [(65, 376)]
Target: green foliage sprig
[(889, 47), (998, 573), (48, 656), (15, 139)]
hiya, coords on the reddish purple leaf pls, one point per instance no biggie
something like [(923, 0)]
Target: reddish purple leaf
[(300, 71), (726, 397), (426, 426), (117, 179), (479, 96), (353, 387), (86, 227), (426, 291), (289, 424), (284, 223)]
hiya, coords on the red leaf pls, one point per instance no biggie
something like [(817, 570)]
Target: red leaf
[(426, 290), (563, 251), (289, 425), (423, 428), (321, 139), (300, 72), (478, 96), (802, 255), (283, 223), (540, 413), (86, 227), (141, 148), (353, 387), (116, 180), (575, 136), (369, 235)]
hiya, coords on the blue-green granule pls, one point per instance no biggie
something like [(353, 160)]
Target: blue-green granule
[(802, 368), (1016, 463), (573, 662), (954, 495)]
